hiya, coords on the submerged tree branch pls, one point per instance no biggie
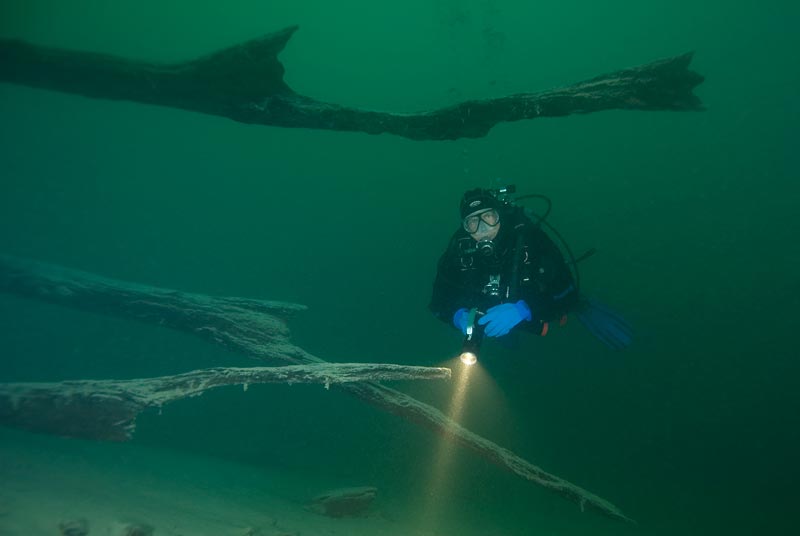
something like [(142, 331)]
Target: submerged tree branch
[(245, 83), (107, 409), (256, 329)]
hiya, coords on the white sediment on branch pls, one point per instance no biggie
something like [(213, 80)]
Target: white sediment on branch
[(164, 389)]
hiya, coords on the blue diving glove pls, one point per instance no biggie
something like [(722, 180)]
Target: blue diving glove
[(500, 319), (605, 324), (460, 319)]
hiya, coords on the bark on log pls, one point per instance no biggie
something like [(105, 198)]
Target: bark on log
[(245, 83), (253, 328), (107, 409)]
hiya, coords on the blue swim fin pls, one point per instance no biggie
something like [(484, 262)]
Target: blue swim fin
[(605, 324)]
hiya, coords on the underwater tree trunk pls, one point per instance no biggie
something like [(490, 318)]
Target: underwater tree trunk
[(257, 329), (107, 409), (245, 83)]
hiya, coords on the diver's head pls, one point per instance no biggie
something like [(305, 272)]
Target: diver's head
[(480, 214)]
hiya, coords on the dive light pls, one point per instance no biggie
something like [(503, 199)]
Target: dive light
[(473, 338)]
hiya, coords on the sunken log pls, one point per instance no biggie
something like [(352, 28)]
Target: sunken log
[(245, 83), (254, 327), (107, 409), (257, 329)]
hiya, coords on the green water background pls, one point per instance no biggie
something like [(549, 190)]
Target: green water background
[(692, 431)]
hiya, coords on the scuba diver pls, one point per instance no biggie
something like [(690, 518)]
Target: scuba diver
[(502, 272)]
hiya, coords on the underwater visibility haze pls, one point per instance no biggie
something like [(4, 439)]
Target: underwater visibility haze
[(693, 429)]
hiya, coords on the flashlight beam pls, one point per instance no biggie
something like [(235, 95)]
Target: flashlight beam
[(410, 409)]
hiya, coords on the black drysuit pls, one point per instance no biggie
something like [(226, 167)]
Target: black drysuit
[(544, 282)]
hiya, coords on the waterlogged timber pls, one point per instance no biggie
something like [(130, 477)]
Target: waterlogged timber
[(245, 82)]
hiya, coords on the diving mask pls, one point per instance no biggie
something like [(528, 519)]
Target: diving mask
[(488, 217)]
